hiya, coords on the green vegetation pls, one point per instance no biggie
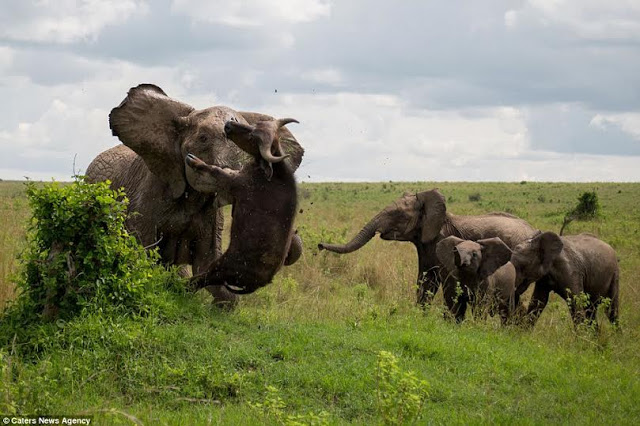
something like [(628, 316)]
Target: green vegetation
[(79, 259), (588, 208), (336, 339)]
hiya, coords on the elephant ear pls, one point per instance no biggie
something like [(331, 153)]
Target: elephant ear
[(495, 253), (550, 246), (445, 250), (147, 121), (288, 142), (434, 213)]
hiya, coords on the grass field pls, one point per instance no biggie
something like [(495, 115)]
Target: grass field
[(306, 349)]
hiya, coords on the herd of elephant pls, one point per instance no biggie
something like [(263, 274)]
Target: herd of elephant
[(179, 166)]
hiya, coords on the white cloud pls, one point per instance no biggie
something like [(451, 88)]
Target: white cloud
[(329, 76), (357, 136), (6, 57), (64, 21), (71, 119), (590, 19), (510, 18), (628, 122), (61, 131), (252, 13), (417, 91)]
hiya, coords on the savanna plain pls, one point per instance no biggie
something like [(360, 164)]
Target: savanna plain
[(339, 339)]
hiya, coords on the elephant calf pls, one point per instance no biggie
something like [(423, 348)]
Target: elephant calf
[(486, 276), (569, 266), (263, 194)]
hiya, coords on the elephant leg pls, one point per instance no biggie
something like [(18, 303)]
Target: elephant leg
[(460, 308), (504, 300), (482, 305), (578, 313), (519, 313), (505, 313), (428, 273), (184, 271), (538, 302), (590, 314), (455, 298), (614, 306), (206, 250), (427, 285), (295, 250)]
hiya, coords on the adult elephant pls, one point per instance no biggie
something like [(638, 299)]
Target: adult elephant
[(423, 220), (169, 209)]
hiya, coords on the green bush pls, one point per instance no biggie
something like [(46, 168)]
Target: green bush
[(401, 395), (588, 206), (475, 196), (79, 257)]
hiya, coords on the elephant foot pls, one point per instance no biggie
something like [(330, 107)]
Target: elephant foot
[(222, 298), (424, 297)]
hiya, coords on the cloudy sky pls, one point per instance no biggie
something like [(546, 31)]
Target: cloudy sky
[(544, 90)]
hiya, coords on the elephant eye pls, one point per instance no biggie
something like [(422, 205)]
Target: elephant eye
[(203, 138), (474, 254)]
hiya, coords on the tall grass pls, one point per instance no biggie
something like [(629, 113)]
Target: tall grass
[(14, 213), (334, 212)]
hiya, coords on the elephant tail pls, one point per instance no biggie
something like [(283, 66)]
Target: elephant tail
[(614, 291)]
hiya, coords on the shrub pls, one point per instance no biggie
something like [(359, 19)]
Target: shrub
[(475, 196), (401, 395), (588, 208), (80, 257), (274, 407)]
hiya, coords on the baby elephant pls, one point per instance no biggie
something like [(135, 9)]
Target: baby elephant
[(486, 276), (569, 265), (263, 194)]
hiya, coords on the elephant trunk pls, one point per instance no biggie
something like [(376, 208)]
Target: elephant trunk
[(362, 238)]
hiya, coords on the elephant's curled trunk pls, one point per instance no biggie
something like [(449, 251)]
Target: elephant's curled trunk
[(362, 238)]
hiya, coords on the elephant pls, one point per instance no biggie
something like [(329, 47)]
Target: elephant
[(487, 277), (264, 199), (569, 266), (167, 208), (423, 220)]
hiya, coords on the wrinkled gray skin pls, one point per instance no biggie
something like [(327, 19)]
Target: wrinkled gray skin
[(568, 266), (423, 220), (264, 198), (486, 276), (170, 211)]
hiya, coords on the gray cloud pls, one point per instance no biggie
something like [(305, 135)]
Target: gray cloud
[(411, 90)]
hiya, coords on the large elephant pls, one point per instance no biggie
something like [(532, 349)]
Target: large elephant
[(423, 220), (169, 211), (571, 266)]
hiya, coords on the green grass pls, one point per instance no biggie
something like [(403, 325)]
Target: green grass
[(315, 334)]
